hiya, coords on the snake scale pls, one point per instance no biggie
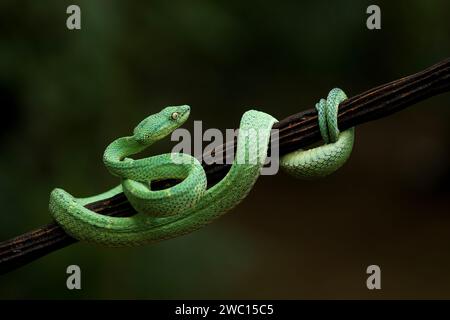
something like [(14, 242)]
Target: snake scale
[(189, 205)]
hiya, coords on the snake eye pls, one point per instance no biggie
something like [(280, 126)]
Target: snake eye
[(175, 115)]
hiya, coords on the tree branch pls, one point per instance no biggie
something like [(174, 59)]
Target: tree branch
[(297, 131)]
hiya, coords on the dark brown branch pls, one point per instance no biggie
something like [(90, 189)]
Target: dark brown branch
[(297, 131)]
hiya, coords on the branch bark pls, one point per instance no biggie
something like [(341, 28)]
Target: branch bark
[(297, 131)]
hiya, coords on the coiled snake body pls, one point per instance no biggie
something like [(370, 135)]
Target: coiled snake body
[(188, 205)]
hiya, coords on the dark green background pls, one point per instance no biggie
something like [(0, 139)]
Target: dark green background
[(66, 94)]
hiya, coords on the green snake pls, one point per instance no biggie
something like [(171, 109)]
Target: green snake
[(189, 205)]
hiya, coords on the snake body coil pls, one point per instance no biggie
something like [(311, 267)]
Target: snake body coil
[(188, 205)]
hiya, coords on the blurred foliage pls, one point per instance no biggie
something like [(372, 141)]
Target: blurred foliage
[(66, 94)]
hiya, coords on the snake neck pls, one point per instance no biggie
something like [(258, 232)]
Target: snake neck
[(116, 153)]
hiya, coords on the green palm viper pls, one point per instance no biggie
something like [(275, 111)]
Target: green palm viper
[(189, 205)]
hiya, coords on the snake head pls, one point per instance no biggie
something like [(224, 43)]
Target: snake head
[(161, 124)]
